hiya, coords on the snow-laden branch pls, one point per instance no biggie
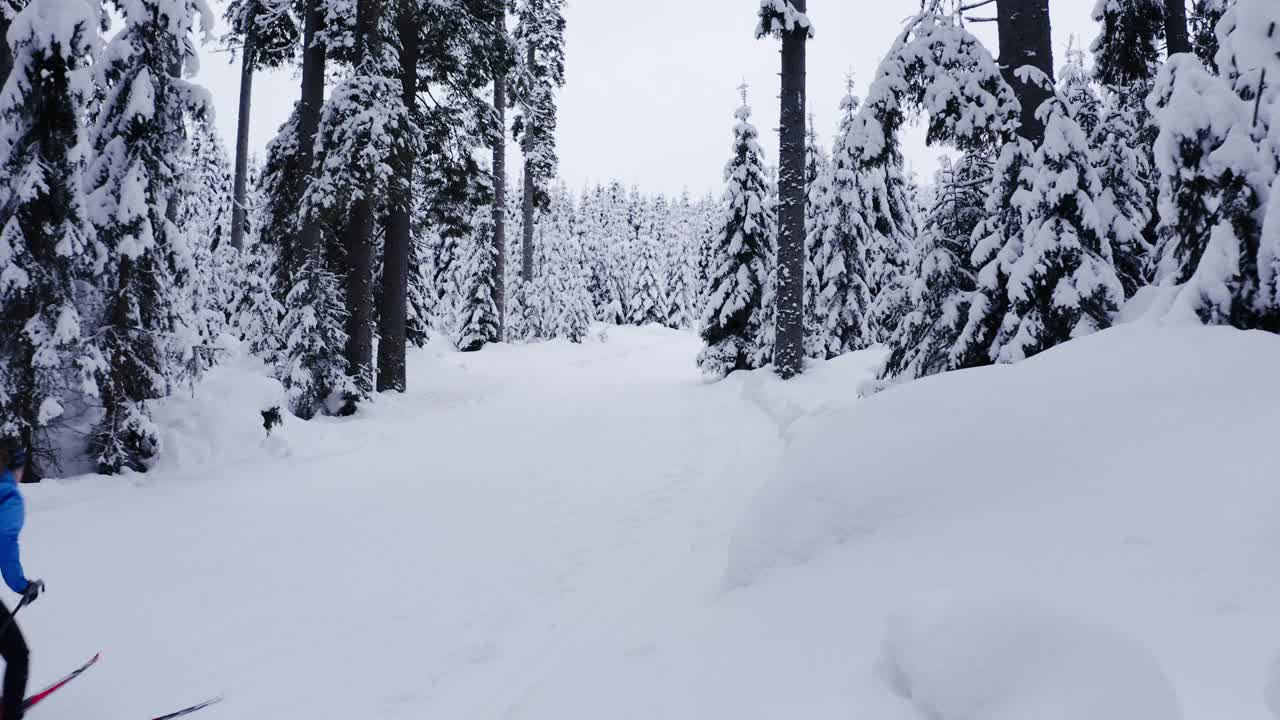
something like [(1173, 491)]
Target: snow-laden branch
[(780, 16)]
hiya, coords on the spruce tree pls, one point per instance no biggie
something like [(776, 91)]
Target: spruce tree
[(1057, 273), (1127, 49), (48, 247), (539, 40), (477, 322), (267, 34), (647, 296), (137, 139), (1125, 204), (944, 277), (839, 238), (734, 314)]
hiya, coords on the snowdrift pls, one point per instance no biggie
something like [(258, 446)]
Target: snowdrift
[(1078, 526)]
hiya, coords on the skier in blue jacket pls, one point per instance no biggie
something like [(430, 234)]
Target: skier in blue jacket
[(12, 645)]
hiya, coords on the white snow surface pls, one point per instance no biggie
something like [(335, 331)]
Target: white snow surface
[(559, 532)]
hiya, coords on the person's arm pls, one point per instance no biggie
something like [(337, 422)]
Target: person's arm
[(11, 563)]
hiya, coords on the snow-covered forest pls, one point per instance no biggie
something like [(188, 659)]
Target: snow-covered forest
[(730, 388)]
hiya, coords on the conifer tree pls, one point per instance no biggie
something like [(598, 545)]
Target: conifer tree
[(647, 297), (267, 34), (944, 277), (477, 322), (1054, 278), (839, 239), (539, 39), (137, 139), (1125, 203), (48, 248), (733, 318)]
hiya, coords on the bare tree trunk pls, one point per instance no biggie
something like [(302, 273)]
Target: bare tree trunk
[(789, 340), (1026, 39), (311, 247), (247, 61), (393, 318), (6, 52), (1175, 27), (526, 248), (500, 195), (359, 237)]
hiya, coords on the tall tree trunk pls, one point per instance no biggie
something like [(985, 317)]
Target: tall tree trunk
[(1175, 27), (1026, 38), (310, 242), (500, 194), (6, 52), (247, 60), (526, 247), (530, 188), (359, 234), (393, 317), (789, 338)]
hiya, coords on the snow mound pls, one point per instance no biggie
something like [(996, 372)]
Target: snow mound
[(219, 419), (1004, 658), (1133, 415)]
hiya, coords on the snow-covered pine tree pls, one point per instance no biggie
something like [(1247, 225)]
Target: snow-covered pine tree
[(734, 315), (647, 294), (540, 72), (890, 250), (1127, 49), (816, 168), (1204, 18), (1217, 170), (1076, 88), (1125, 203), (204, 218), (677, 280), (477, 322), (48, 248), (838, 239), (137, 139), (1057, 273), (267, 35), (944, 278), (566, 304), (619, 242), (767, 330)]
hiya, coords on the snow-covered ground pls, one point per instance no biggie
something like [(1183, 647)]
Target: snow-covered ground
[(557, 532)]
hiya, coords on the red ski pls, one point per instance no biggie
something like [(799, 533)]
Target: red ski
[(188, 711), (45, 693)]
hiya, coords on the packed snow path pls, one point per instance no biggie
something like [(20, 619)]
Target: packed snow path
[(440, 557), (593, 532)]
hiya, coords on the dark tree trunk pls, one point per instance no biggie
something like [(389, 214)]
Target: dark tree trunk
[(526, 247), (238, 210), (359, 235), (1026, 39), (393, 318), (789, 340), (1175, 27), (500, 194), (530, 189), (6, 52), (311, 246)]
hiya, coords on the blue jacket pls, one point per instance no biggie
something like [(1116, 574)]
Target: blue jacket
[(13, 515)]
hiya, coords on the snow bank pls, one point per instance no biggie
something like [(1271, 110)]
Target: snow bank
[(1135, 414), (218, 420), (1006, 658)]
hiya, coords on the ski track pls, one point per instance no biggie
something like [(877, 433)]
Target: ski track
[(453, 554)]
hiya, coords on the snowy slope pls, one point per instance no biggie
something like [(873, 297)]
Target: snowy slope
[(559, 532)]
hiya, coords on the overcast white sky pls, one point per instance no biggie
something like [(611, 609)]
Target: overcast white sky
[(652, 85)]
